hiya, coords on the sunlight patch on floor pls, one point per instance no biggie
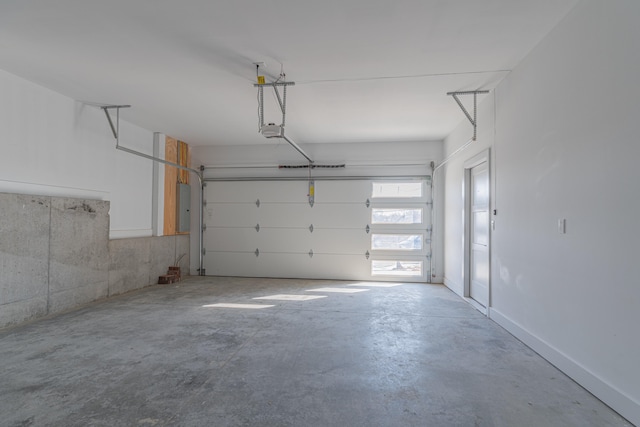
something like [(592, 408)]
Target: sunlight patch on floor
[(286, 297), (230, 305), (376, 285), (338, 290)]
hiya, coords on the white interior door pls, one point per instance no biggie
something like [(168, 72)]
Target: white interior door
[(479, 234), (269, 229)]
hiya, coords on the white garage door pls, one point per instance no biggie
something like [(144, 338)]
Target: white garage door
[(356, 229)]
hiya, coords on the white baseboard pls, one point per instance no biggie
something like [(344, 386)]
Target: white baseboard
[(617, 400), (454, 287)]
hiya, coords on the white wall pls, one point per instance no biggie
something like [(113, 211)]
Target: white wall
[(566, 146), (361, 159), (452, 175), (53, 145)]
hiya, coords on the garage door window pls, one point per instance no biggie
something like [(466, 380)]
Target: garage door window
[(401, 190), (396, 242), (398, 232), (396, 268), (396, 216)]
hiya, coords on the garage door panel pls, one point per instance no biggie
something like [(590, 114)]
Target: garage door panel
[(231, 264), (349, 267), (340, 216), (334, 266), (231, 215), (284, 192), (340, 241), (231, 192), (275, 264), (230, 239), (284, 215), (283, 240), (342, 191)]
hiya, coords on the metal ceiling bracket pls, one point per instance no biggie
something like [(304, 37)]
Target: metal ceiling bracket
[(276, 131), (473, 120), (115, 129), (282, 101)]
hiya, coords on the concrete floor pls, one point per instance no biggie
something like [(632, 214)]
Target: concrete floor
[(410, 355)]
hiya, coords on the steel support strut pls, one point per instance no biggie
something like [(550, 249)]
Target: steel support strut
[(282, 103), (473, 120)]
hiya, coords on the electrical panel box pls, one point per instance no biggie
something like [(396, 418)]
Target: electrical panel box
[(183, 216)]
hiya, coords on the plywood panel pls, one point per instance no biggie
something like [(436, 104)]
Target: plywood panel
[(183, 160), (170, 187)]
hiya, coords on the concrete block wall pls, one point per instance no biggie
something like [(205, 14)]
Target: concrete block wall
[(78, 252), (55, 254), (137, 262)]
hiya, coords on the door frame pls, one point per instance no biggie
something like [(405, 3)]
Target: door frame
[(478, 159)]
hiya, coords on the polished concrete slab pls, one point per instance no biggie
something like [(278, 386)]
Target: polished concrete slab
[(409, 355)]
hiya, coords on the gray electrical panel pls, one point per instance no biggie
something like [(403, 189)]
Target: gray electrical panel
[(183, 217)]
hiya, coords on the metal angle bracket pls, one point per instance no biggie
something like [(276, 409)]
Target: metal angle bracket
[(474, 119), (282, 101), (114, 128)]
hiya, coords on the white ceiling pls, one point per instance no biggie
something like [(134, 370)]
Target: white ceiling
[(365, 70)]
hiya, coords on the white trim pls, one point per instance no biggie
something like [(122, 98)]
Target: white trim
[(126, 234), (475, 304), (32, 189), (453, 286), (616, 399), (477, 159), (482, 157)]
